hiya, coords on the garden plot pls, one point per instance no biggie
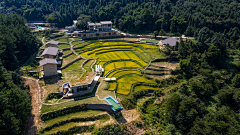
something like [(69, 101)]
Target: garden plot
[(66, 52)]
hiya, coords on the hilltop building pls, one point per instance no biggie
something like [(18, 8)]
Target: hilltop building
[(97, 30)]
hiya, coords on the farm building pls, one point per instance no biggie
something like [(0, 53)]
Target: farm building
[(83, 86), (52, 43), (171, 41), (101, 29), (50, 52), (48, 66)]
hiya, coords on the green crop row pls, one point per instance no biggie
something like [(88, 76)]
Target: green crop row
[(92, 118), (64, 111)]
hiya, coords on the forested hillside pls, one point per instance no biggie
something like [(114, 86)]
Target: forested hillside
[(17, 44), (136, 16)]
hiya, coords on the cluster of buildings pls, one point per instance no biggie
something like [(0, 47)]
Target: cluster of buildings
[(95, 30), (50, 60)]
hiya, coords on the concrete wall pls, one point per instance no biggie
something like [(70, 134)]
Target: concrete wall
[(50, 69), (104, 107)]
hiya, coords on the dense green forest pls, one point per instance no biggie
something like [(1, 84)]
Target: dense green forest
[(17, 44), (135, 16)]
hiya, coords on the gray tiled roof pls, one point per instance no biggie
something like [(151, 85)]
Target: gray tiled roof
[(170, 41), (47, 61), (106, 22), (53, 42), (50, 51)]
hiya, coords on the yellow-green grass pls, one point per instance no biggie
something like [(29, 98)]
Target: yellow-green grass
[(66, 52), (102, 93), (125, 83), (64, 46), (76, 42), (73, 72), (120, 64), (80, 114), (64, 40), (142, 87), (112, 86), (75, 38), (47, 108), (87, 65), (82, 44), (69, 59), (91, 45), (121, 72)]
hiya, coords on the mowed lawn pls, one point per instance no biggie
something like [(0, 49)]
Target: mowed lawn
[(73, 72)]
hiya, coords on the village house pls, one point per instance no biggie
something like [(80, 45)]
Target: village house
[(49, 66), (50, 52), (82, 86), (52, 43)]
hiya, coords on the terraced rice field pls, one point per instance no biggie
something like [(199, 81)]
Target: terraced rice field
[(64, 46), (120, 55)]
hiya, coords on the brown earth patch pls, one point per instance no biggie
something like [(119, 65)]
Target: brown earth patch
[(33, 121)]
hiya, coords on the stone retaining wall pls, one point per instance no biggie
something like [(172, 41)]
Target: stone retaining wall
[(64, 49), (104, 107)]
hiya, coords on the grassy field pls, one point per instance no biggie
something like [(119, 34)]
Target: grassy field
[(69, 59), (87, 66), (121, 72), (72, 72), (80, 114), (64, 40), (77, 38), (66, 52), (64, 46), (102, 93), (76, 42), (47, 108)]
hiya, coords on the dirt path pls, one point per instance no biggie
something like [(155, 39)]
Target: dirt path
[(34, 118)]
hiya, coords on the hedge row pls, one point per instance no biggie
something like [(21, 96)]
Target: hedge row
[(64, 111), (93, 118), (76, 129), (53, 95)]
